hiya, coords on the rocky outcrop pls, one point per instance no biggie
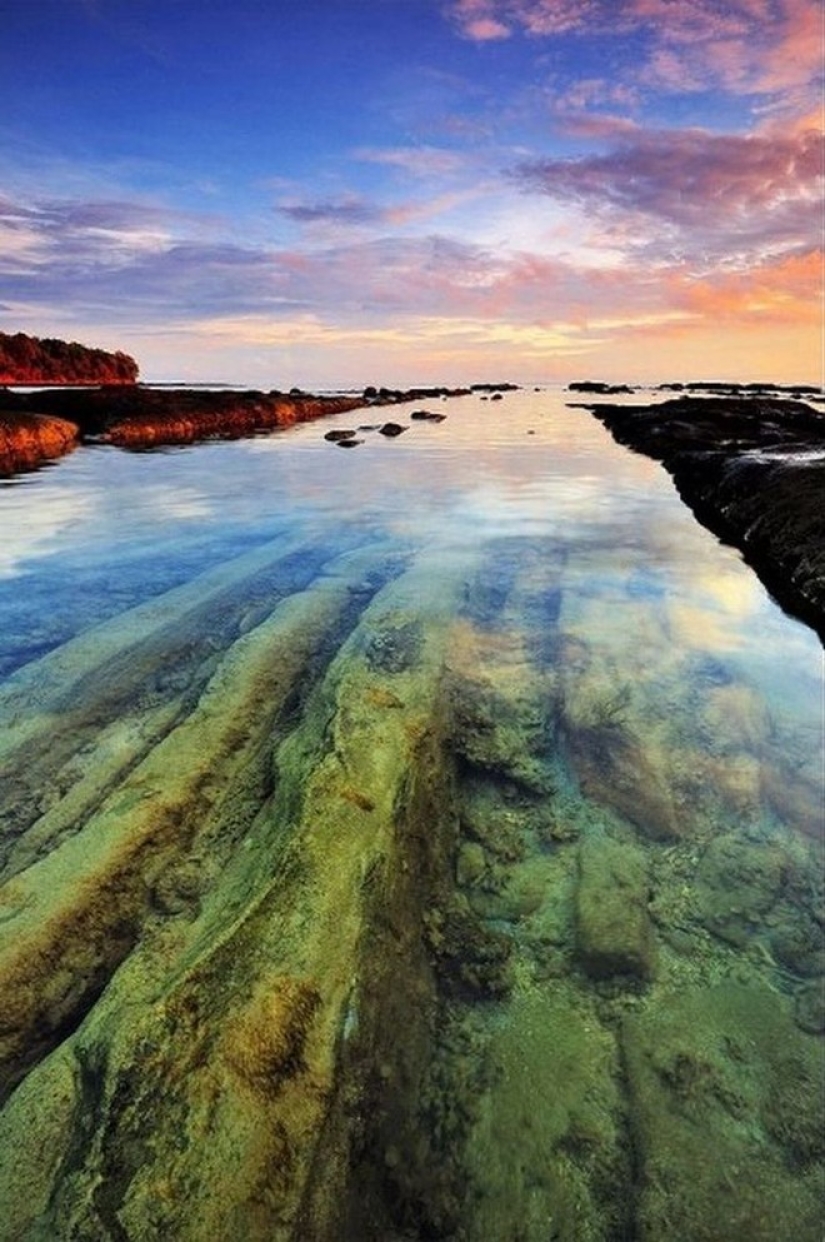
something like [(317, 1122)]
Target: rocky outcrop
[(138, 417), (32, 360), (141, 417), (27, 440), (753, 471)]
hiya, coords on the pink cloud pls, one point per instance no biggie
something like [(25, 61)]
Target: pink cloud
[(553, 17), (483, 29), (477, 20), (595, 92), (695, 196), (744, 46)]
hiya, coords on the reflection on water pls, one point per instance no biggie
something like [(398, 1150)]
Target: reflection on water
[(419, 841)]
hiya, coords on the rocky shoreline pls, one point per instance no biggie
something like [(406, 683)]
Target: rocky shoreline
[(752, 469), (41, 426)]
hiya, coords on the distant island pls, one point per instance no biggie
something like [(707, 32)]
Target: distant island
[(32, 360)]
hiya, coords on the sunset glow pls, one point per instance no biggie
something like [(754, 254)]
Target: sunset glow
[(346, 192)]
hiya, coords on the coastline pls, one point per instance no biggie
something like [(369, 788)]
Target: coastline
[(41, 426), (749, 464), (752, 470)]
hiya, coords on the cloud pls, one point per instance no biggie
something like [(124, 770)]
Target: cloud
[(419, 161), (695, 196), (787, 292), (344, 211), (475, 20), (744, 46), (78, 235)]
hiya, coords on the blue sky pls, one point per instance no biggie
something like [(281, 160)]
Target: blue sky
[(342, 192)]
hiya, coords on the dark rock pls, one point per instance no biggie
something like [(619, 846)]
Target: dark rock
[(752, 469), (427, 416), (339, 434), (349, 443), (596, 386), (494, 387), (391, 429)]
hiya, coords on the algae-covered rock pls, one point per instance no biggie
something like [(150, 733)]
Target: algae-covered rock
[(197, 987), (613, 931), (545, 1159), (472, 960), (809, 1007), (798, 941), (726, 1110), (737, 883), (471, 864), (522, 892), (620, 763)]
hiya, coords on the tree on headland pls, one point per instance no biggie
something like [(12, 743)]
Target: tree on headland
[(31, 360)]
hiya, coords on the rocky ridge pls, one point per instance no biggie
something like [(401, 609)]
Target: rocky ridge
[(35, 427)]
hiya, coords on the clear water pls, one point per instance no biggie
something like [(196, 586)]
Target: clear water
[(622, 953)]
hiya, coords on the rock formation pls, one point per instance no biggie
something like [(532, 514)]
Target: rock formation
[(752, 468), (27, 440)]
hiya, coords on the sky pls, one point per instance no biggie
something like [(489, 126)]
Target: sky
[(335, 193)]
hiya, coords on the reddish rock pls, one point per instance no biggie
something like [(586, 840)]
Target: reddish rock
[(27, 440)]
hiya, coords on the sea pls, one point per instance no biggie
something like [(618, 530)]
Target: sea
[(413, 836)]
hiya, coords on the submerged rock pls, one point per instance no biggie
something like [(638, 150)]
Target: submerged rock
[(737, 883), (204, 971), (809, 1007), (613, 929), (726, 1116), (545, 1151)]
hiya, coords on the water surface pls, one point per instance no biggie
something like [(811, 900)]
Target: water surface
[(446, 808)]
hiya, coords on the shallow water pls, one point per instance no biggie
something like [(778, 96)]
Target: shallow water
[(447, 809)]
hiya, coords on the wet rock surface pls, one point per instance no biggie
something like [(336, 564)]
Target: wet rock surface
[(752, 468)]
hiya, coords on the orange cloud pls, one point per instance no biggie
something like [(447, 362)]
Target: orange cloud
[(789, 291)]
